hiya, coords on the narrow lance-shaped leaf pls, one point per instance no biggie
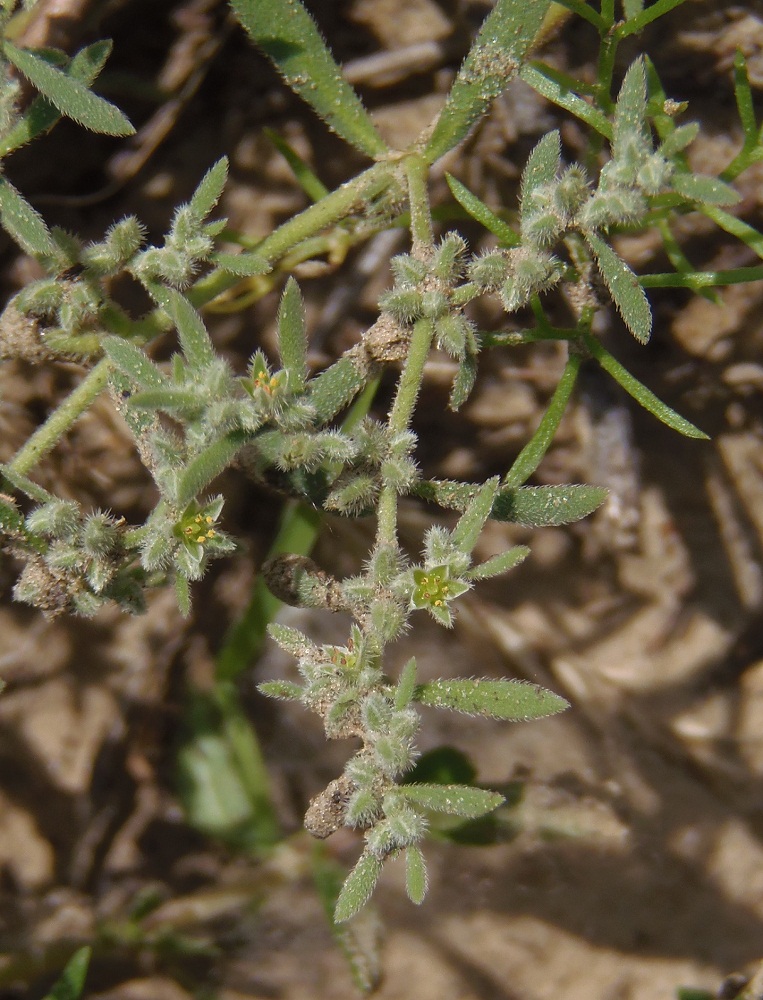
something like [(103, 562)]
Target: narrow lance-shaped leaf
[(472, 521), (499, 564), (627, 294), (313, 187), (134, 363), (705, 190), (193, 336), (335, 388), (506, 35), (455, 800), (184, 402), (544, 81), (292, 339), (480, 211), (70, 96), (463, 383), (244, 265), (630, 111), (287, 34), (416, 878), (23, 222), (183, 594), (543, 164), (210, 189), (547, 506), (503, 699), (71, 983), (358, 887), (406, 685), (41, 115), (530, 456), (641, 394), (207, 465)]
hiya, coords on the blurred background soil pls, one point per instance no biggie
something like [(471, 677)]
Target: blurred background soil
[(633, 863)]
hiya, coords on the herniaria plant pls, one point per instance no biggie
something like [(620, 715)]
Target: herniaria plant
[(311, 433)]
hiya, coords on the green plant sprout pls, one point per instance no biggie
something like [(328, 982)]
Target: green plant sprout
[(312, 433)]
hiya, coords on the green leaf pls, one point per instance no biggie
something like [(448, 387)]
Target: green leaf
[(645, 397), (134, 363), (534, 506), (11, 520), (677, 141), (472, 521), (735, 227), (210, 189), (292, 338), (484, 215), (245, 265), (335, 388), (359, 940), (705, 190), (287, 34), (41, 115), (501, 563), (193, 336), (313, 187), (543, 164), (72, 980), (530, 456), (627, 294), (358, 887), (207, 465), (455, 800), (545, 82), (503, 699), (463, 383), (416, 879), (282, 690), (183, 594), (406, 683), (505, 37), (640, 21), (70, 96), (630, 111), (544, 506), (185, 402), (23, 222)]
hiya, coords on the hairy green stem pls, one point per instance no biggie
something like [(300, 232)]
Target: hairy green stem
[(421, 215), (58, 423), (400, 416), (353, 195)]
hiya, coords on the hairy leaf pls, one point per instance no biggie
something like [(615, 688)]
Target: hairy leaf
[(358, 887), (505, 37), (23, 222), (503, 699), (245, 265), (69, 95), (455, 800), (134, 363), (41, 115), (480, 211), (472, 521), (641, 394), (501, 563), (287, 34), (706, 190), (292, 338), (207, 465), (192, 333), (627, 294), (210, 189), (416, 878), (545, 81), (335, 388)]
